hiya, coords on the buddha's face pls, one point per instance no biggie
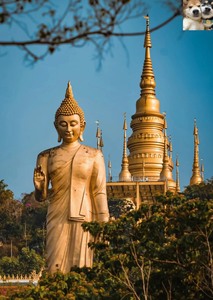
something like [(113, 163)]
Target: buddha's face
[(69, 128)]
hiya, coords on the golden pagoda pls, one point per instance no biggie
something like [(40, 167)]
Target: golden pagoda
[(147, 170), (141, 174), (148, 143)]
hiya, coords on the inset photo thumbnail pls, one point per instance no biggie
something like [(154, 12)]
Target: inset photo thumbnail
[(197, 14)]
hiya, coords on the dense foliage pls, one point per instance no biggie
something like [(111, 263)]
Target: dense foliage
[(22, 233), (160, 251), (24, 263), (117, 207)]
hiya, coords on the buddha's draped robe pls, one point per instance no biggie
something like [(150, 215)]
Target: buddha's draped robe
[(78, 194)]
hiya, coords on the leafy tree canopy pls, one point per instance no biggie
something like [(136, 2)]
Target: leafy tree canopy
[(5, 194), (10, 213), (23, 223), (24, 264), (160, 251)]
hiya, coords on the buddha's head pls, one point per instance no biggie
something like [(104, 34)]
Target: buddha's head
[(69, 119)]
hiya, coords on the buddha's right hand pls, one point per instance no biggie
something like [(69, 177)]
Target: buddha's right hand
[(39, 178)]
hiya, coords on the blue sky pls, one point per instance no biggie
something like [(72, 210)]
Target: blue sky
[(183, 67)]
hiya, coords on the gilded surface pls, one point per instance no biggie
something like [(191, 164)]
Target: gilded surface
[(146, 144), (125, 175), (78, 190), (196, 173)]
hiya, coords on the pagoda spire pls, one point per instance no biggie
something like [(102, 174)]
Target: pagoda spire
[(147, 103), (166, 173), (109, 170), (125, 175), (98, 134), (147, 83), (146, 143), (196, 174), (101, 144), (202, 170), (177, 176)]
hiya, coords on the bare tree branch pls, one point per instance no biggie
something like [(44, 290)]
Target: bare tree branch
[(80, 22), (85, 35)]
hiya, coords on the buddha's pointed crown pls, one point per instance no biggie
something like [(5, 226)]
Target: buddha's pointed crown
[(69, 106)]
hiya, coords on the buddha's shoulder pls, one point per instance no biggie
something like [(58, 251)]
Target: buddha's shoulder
[(47, 152), (90, 151)]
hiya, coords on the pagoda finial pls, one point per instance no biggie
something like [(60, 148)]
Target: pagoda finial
[(125, 175), (147, 83), (98, 134), (147, 40), (101, 143), (109, 170), (177, 176), (202, 169), (196, 174)]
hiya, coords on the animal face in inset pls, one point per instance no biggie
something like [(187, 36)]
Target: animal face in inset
[(192, 10), (207, 9)]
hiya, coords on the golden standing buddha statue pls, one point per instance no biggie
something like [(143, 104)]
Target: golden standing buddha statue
[(78, 194)]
